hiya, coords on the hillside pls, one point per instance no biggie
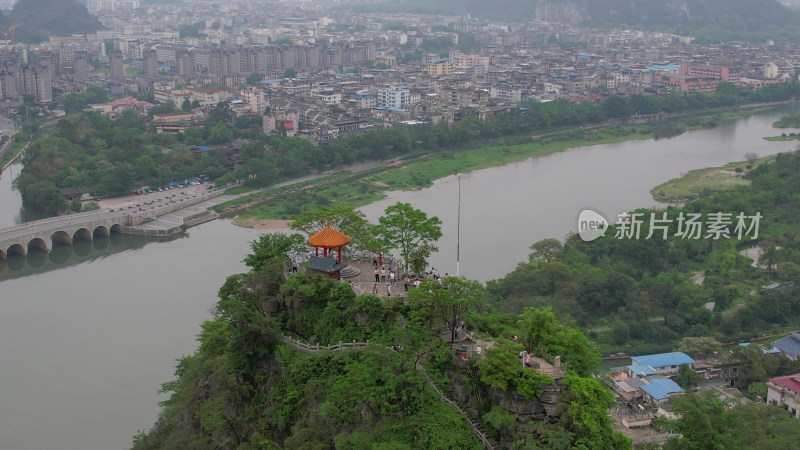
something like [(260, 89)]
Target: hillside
[(708, 20), (40, 19), (395, 382)]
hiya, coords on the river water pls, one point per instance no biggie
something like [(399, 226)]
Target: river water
[(88, 334)]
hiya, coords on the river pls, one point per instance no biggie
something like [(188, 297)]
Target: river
[(88, 334)]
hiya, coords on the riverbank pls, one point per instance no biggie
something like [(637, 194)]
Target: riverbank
[(704, 182), (420, 171)]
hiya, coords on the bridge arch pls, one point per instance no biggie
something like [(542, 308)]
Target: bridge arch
[(101, 231), (61, 237), (37, 243), (2, 255), (115, 229), (16, 249), (82, 233)]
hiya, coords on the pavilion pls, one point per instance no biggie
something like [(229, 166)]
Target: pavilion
[(329, 238)]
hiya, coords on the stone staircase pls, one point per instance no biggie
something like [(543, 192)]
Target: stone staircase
[(349, 271)]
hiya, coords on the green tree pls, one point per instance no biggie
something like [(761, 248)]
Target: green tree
[(254, 79), (545, 334), (500, 367), (586, 414), (186, 105), (617, 107), (704, 422), (290, 73), (220, 134), (546, 249), (687, 378), (699, 347), (345, 219), (75, 205), (271, 247), (447, 302), (408, 229)]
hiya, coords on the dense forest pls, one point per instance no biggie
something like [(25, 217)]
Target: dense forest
[(86, 146), (641, 295), (244, 389)]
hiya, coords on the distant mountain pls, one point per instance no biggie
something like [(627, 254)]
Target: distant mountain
[(708, 20), (40, 19)]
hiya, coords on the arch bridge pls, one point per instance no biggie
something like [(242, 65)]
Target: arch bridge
[(44, 234)]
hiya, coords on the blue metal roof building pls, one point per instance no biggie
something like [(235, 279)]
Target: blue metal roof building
[(662, 360), (641, 370), (660, 389)]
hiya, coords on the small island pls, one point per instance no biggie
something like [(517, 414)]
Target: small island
[(790, 121), (704, 182)]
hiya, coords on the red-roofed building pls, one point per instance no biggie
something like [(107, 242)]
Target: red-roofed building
[(785, 392)]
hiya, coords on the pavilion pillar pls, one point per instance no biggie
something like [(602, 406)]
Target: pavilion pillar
[(325, 252), (340, 254), (316, 250)]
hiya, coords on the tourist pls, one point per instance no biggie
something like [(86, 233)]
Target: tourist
[(377, 276), (391, 260), (383, 274), (375, 259), (388, 290), (294, 266), (375, 289), (380, 259), (391, 277), (405, 283)]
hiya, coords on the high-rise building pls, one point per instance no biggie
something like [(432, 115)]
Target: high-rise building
[(80, 66), (115, 61), (185, 63), (150, 64), (36, 81)]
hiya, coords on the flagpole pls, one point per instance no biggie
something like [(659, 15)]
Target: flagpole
[(458, 231)]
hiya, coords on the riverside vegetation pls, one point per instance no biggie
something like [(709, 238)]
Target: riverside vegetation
[(643, 295), (111, 156)]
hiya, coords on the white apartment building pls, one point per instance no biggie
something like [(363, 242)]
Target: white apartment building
[(506, 92), (396, 96)]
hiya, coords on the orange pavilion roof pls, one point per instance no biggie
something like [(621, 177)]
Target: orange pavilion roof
[(329, 237)]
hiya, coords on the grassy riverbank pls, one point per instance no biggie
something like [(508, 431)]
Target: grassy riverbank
[(783, 137), (790, 121), (421, 170), (703, 182)]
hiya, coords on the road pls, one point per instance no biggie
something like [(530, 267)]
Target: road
[(197, 200), (173, 219)]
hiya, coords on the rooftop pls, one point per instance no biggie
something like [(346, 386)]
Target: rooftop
[(789, 345), (662, 359), (329, 237), (791, 382), (325, 264), (660, 388)]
